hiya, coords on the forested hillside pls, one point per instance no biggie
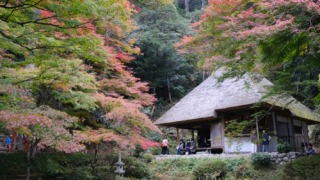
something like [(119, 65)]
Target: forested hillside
[(170, 75)]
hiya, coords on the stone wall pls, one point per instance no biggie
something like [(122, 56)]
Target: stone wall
[(282, 158)]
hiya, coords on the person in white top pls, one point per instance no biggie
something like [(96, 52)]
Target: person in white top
[(253, 137), (165, 149)]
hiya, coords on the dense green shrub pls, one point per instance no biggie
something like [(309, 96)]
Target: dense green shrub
[(70, 166), (155, 136), (260, 159), (61, 165), (16, 160), (244, 171), (148, 157), (234, 163), (307, 167), (284, 147), (135, 168), (12, 164), (47, 165), (138, 150), (174, 167), (155, 150), (210, 169)]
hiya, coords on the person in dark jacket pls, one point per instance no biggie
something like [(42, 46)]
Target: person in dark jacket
[(309, 149), (188, 145), (180, 146), (265, 143)]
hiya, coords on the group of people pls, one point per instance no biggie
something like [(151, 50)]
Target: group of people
[(189, 147), (16, 142), (307, 147)]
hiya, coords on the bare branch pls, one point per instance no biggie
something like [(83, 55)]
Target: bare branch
[(6, 19)]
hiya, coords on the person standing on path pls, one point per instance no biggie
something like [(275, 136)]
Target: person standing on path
[(8, 143), (165, 149), (253, 137), (265, 143)]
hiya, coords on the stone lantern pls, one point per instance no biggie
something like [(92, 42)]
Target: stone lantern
[(119, 171)]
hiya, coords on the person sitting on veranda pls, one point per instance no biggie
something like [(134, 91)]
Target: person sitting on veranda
[(188, 145), (180, 146), (193, 147), (309, 149)]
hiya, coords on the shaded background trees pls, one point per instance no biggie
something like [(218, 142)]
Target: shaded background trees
[(169, 74)]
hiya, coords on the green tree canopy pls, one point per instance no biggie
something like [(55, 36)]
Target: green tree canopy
[(71, 57), (277, 38)]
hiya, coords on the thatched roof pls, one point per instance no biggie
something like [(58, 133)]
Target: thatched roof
[(205, 100)]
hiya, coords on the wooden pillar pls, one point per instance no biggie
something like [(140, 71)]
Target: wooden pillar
[(274, 123), (192, 134), (293, 134), (222, 128), (178, 136), (258, 136)]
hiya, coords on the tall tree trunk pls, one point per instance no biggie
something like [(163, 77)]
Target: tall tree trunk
[(28, 172), (32, 148), (95, 159), (152, 110), (168, 84), (13, 141), (187, 5), (153, 106), (203, 4), (203, 75), (31, 153), (154, 90)]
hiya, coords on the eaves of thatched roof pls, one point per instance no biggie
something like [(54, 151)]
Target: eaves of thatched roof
[(205, 100)]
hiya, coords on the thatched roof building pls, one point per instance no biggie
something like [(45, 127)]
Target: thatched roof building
[(211, 96)]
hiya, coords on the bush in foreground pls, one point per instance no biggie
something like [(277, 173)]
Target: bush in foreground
[(148, 157), (260, 159), (210, 169), (47, 166), (244, 171), (284, 148), (136, 168), (307, 167), (70, 166)]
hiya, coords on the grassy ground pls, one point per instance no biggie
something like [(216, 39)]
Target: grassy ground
[(238, 168)]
